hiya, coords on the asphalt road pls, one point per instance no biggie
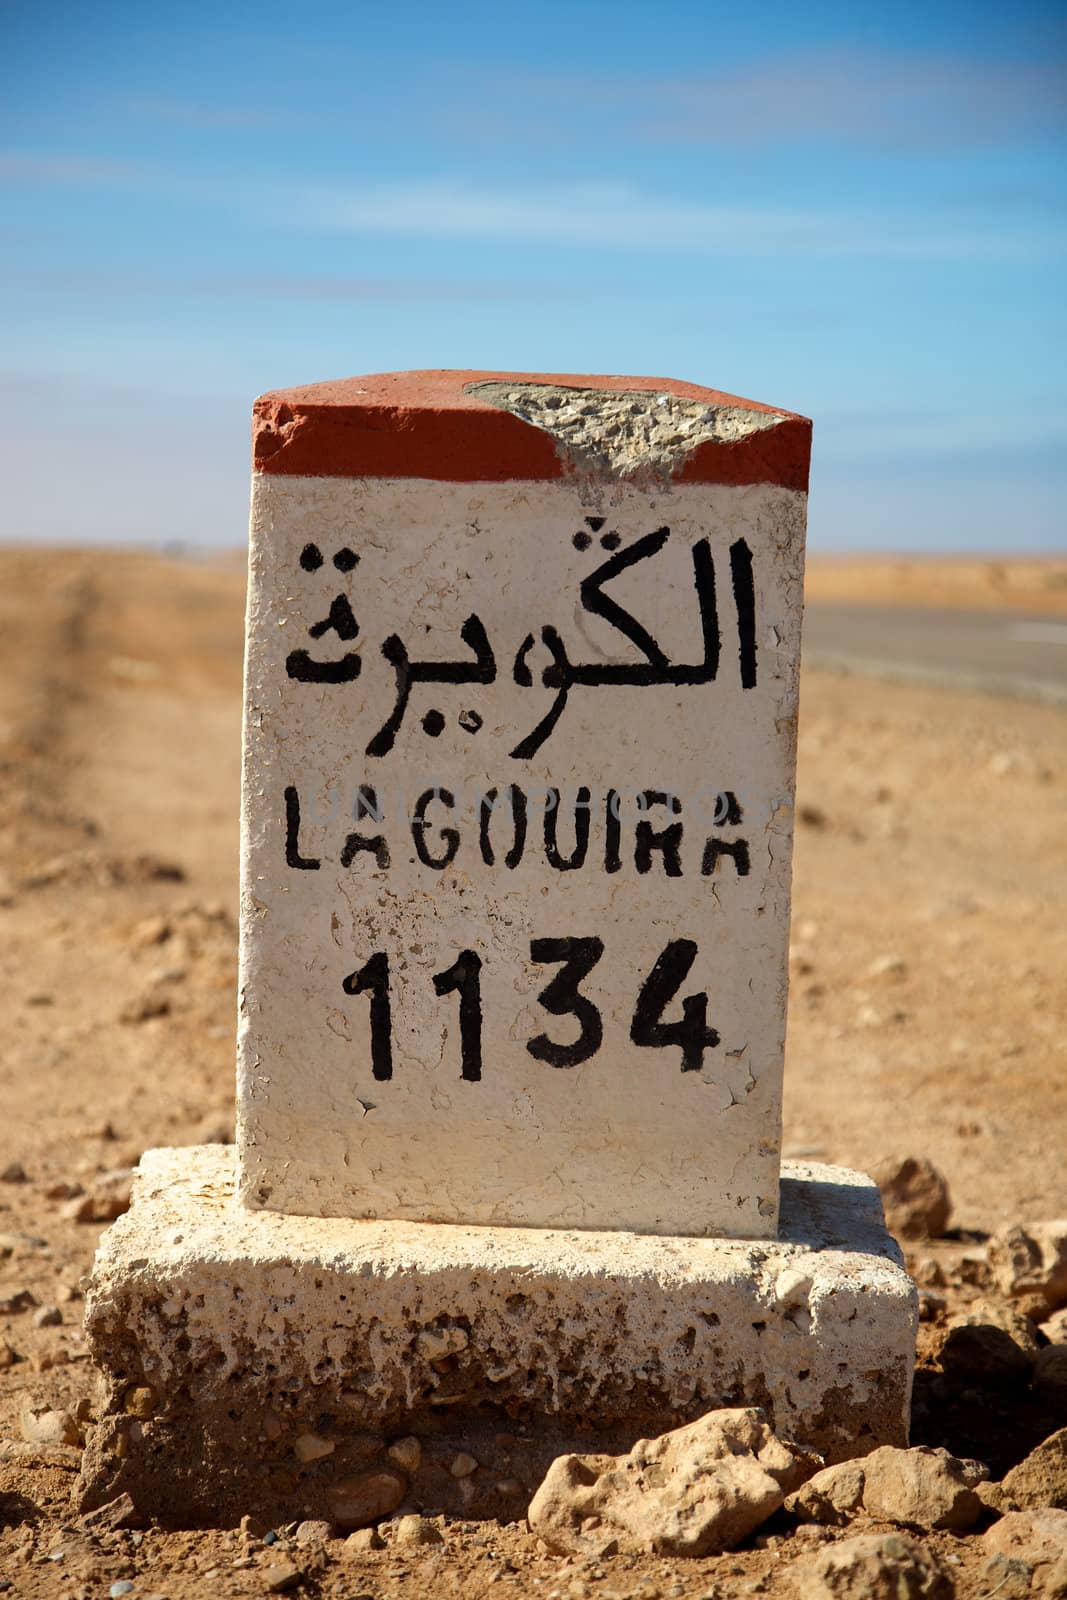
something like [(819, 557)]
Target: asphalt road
[(979, 650)]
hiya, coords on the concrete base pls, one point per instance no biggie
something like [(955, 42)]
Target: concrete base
[(226, 1336)]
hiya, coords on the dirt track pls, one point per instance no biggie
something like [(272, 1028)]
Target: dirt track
[(928, 1005)]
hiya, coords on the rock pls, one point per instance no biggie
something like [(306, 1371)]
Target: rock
[(1030, 1263), (921, 1488), (8, 1355), (417, 1530), (41, 1425), (18, 1300), (363, 1539), (46, 1360), (872, 1566), (811, 816), (973, 1268), (139, 1401), (435, 1344), (918, 1488), (310, 1447), (64, 1189), (145, 1007), (915, 1196), (832, 1497), (1036, 1537), (888, 966), (14, 1172), (463, 1465), (153, 930), (1008, 1579), (282, 1577), (1055, 1327), (47, 1317), (18, 1243), (1052, 1583), (121, 1587), (696, 1491), (313, 1533), (107, 1200), (1041, 1479), (111, 1518), (995, 1498), (1050, 1376), (367, 1497), (407, 1453), (49, 1455), (989, 1342), (931, 1305)]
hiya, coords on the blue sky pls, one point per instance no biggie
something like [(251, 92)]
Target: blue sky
[(855, 212)]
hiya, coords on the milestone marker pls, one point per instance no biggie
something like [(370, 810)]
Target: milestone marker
[(520, 717)]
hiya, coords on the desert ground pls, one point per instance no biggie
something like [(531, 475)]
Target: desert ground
[(927, 1018)]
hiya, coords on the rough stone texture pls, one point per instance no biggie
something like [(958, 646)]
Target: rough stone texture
[(919, 1488), (696, 1491), (1030, 1264), (41, 1425), (642, 434), (1055, 1327), (872, 1566), (234, 1316), (417, 1530), (915, 1196), (1038, 1537), (366, 1497), (991, 1342), (686, 693), (1008, 1579), (1041, 1478)]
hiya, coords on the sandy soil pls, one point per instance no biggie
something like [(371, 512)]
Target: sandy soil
[(1036, 586), (928, 1013)]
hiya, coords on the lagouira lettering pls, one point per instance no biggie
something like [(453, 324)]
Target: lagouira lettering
[(517, 829)]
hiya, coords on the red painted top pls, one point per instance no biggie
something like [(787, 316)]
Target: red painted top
[(426, 425)]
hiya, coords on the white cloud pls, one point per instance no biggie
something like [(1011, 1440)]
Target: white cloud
[(620, 215)]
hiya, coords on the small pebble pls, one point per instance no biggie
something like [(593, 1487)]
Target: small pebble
[(362, 1539), (139, 1401), (309, 1447), (463, 1465), (47, 1317), (279, 1579), (312, 1533), (123, 1586), (417, 1530), (436, 1344), (407, 1453)]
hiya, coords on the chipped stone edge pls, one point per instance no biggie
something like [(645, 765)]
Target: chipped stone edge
[(638, 436)]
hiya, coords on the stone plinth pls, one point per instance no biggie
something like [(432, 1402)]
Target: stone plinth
[(520, 720), (252, 1330)]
